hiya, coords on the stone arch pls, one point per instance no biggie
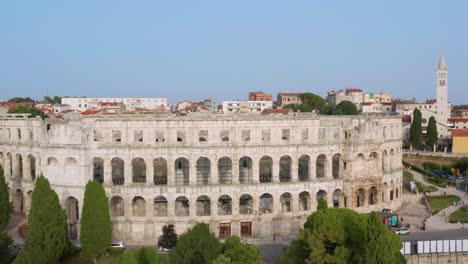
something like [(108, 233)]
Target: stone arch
[(285, 169), (304, 201), (18, 167), (118, 172), (9, 164), (266, 204), (384, 192), (18, 202), (360, 197), (32, 166), (182, 170), (321, 164), (117, 206), (303, 170), (321, 194), (139, 206), (246, 204), (225, 170), (98, 169), (338, 198), (286, 202), (374, 161), (182, 206), (245, 170), (225, 205), (385, 161), (160, 171), (359, 162), (70, 161), (73, 216), (337, 165), (392, 159), (28, 202), (160, 206), (138, 170), (203, 171), (52, 161), (203, 206), (266, 169), (373, 195)]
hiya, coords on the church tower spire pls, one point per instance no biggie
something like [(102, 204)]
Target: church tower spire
[(443, 107), (442, 64)]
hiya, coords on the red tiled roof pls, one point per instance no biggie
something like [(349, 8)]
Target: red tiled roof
[(431, 101), (353, 90), (460, 133), (90, 112), (289, 94), (406, 118), (457, 119), (275, 111)]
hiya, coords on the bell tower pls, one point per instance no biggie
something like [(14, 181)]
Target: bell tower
[(443, 111)]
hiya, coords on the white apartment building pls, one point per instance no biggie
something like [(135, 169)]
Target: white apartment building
[(246, 106), (131, 103)]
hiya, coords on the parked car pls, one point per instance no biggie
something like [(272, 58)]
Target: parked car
[(401, 231), (117, 244), (161, 249)]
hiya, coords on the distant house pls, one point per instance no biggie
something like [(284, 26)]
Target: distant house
[(284, 99), (460, 141)]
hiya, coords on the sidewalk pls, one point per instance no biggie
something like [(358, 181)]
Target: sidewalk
[(437, 221)]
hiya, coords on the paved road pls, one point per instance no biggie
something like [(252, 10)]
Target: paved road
[(437, 235)]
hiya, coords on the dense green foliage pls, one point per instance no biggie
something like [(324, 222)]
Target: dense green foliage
[(322, 204), (96, 229), (432, 134), (142, 256), (460, 215), (298, 108), (345, 108), (5, 205), (440, 202), (416, 129), (197, 245), (52, 100), (168, 239), (462, 165), (22, 109), (21, 100), (380, 245), (340, 235), (47, 232), (240, 253), (313, 101)]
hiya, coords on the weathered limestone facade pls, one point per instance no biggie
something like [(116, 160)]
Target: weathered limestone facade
[(249, 175)]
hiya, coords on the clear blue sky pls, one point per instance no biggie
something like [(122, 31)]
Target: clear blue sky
[(224, 49)]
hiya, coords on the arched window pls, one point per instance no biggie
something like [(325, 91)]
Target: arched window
[(139, 206), (360, 198), (19, 167), (138, 170), (118, 177), (225, 205), (225, 170), (160, 206), (321, 195), (182, 170), (32, 167), (246, 204), (98, 169), (303, 169), (338, 198), (203, 206), (266, 204), (359, 162), (51, 161), (285, 169), (320, 166), (203, 171), (337, 166), (160, 171), (182, 206), (117, 206), (71, 162), (73, 214), (245, 170), (265, 168), (304, 201), (285, 201), (373, 194)]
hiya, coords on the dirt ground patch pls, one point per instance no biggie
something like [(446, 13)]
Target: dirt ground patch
[(413, 210), (417, 160)]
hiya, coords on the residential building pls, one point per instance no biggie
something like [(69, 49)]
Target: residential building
[(379, 98), (461, 113), (460, 141), (353, 95), (376, 108), (246, 106), (112, 107), (131, 104), (58, 108), (260, 96), (458, 122), (284, 99)]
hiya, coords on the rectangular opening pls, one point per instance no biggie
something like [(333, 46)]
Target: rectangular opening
[(19, 133), (160, 136), (305, 134), (138, 136), (116, 136), (224, 135), (31, 134), (321, 133), (180, 136), (246, 229), (224, 230), (285, 134), (266, 135), (203, 135), (97, 135), (245, 135)]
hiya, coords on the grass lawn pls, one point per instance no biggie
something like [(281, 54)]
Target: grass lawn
[(459, 215), (111, 258), (440, 202), (421, 187)]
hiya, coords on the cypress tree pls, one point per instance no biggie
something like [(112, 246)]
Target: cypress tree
[(432, 134), (5, 205), (96, 229), (47, 232), (380, 245), (415, 129)]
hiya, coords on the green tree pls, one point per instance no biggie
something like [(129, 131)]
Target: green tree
[(297, 252), (47, 232), (322, 204), (197, 246), (313, 101), (432, 134), (240, 253), (380, 245), (168, 239), (96, 229), (23, 109), (416, 129), (298, 108), (221, 259), (21, 100), (52, 100), (5, 205), (345, 108)]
